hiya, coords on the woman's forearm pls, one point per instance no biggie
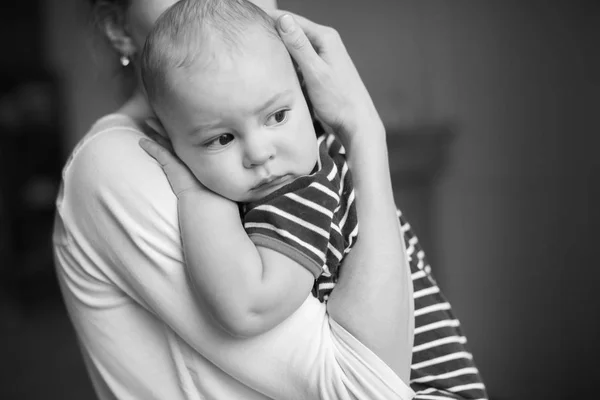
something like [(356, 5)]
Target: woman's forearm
[(375, 278)]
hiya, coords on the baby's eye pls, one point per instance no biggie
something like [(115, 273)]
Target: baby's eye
[(220, 141), (277, 117)]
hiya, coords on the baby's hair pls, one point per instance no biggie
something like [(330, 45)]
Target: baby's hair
[(186, 31)]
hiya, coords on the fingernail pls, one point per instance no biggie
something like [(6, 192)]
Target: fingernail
[(286, 23)]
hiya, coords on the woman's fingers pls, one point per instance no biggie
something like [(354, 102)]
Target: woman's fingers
[(179, 176), (298, 44), (338, 95), (312, 30)]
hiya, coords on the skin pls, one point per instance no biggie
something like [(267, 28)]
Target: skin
[(127, 34), (141, 16), (241, 121)]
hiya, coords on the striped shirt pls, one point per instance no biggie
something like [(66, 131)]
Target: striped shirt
[(313, 221)]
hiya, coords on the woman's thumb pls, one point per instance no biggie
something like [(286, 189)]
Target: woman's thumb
[(296, 42)]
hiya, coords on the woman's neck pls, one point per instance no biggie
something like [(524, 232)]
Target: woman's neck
[(137, 107)]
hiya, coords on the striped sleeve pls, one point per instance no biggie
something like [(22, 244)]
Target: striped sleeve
[(296, 224), (442, 366), (297, 220)]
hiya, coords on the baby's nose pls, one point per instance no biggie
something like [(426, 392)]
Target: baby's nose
[(258, 152)]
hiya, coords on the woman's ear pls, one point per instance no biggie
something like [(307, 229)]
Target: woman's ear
[(112, 20)]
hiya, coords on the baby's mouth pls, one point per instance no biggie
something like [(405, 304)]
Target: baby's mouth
[(270, 182)]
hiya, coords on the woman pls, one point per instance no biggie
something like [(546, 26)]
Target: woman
[(142, 331)]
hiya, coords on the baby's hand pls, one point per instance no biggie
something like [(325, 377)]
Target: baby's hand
[(337, 93), (180, 177)]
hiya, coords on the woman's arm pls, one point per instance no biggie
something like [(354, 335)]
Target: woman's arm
[(373, 297)]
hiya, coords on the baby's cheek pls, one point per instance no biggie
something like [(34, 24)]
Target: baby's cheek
[(309, 162), (206, 177), (219, 180), (200, 171)]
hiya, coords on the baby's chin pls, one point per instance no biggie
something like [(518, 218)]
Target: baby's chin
[(254, 195), (246, 197)]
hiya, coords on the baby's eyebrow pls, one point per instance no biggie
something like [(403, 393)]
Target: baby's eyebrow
[(272, 100)]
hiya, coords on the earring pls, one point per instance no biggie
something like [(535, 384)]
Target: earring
[(124, 60)]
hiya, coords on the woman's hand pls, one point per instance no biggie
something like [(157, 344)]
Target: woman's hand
[(180, 177), (337, 93), (373, 296)]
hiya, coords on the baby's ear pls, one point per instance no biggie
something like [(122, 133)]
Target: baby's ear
[(156, 126)]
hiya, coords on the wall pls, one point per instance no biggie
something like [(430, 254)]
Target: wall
[(90, 76), (515, 210), (514, 218)]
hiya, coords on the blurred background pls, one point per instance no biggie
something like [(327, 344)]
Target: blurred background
[(492, 116)]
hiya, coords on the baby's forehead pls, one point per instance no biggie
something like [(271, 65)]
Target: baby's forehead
[(227, 73), (219, 55), (253, 41)]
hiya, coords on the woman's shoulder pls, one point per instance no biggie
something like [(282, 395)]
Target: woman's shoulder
[(113, 130), (109, 161), (114, 203), (111, 142)]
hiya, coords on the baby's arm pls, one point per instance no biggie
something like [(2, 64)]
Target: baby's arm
[(248, 289)]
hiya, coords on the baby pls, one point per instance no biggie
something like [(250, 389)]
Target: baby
[(227, 93)]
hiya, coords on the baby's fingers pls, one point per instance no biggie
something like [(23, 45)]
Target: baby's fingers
[(179, 176), (155, 131), (158, 152)]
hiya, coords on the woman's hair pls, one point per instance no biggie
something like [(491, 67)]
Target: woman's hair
[(103, 8), (184, 33), (100, 47), (115, 3)]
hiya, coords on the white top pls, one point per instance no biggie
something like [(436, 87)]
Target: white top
[(143, 333)]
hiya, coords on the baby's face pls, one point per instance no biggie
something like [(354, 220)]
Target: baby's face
[(241, 123)]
